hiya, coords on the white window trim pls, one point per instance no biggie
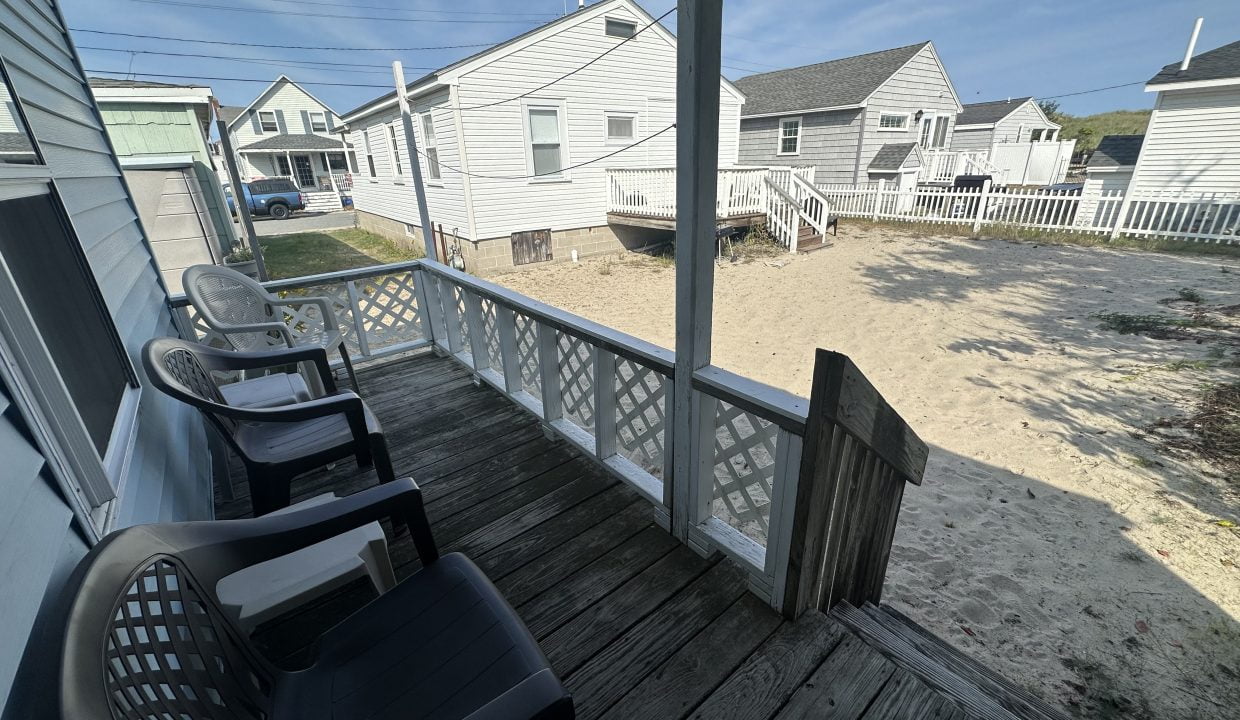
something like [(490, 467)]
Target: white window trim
[(368, 155), (389, 138), (311, 115), (626, 21), (908, 122), (561, 107), (608, 140), (933, 116), (779, 138), (274, 118), (429, 143)]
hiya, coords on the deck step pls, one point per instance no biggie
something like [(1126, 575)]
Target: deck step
[(978, 690)]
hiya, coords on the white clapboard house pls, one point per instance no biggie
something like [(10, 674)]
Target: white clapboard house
[(287, 132), (1017, 141), (522, 163)]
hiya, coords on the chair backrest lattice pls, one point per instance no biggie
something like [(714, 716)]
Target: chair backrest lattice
[(233, 299), (170, 653), (185, 371)]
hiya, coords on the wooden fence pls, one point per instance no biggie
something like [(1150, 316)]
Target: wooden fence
[(1193, 217)]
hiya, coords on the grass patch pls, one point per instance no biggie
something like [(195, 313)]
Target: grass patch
[(1192, 295), (758, 243), (312, 253), (1047, 237), (1211, 432), (1153, 325)]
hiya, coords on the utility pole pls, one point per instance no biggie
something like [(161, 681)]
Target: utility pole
[(238, 192), (428, 232)]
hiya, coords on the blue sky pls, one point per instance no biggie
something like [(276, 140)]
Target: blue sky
[(992, 49)]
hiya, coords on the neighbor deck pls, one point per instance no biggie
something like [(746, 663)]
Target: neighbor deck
[(636, 624)]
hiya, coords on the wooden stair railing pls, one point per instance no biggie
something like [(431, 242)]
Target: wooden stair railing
[(858, 455)]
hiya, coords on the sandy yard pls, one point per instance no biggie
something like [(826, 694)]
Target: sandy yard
[(1052, 539)]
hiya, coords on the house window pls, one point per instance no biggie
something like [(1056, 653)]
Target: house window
[(940, 131), (370, 156), (545, 150), (1036, 135), (789, 136), (431, 149), (620, 28), (892, 121), (394, 152), (621, 127), (283, 169), (318, 122), (267, 121), (933, 131)]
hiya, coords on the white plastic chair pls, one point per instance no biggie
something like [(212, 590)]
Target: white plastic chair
[(252, 319)]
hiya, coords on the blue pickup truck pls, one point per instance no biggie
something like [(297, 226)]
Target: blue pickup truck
[(277, 197)]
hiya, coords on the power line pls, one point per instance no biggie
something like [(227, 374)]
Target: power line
[(265, 81), (233, 8), (1086, 92), (649, 25), (400, 9), (283, 47), (253, 59), (545, 174)]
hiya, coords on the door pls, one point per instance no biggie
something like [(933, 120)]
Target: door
[(305, 171)]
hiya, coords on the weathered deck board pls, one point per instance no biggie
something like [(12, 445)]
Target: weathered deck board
[(637, 625)]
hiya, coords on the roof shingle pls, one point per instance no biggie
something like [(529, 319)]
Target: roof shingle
[(1217, 64), (835, 83), (986, 113), (1116, 151), (893, 157), (293, 142)]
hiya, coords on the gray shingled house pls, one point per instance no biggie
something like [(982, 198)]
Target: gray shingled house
[(855, 119), (982, 125)]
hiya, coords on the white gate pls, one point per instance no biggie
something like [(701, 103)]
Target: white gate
[(1041, 163)]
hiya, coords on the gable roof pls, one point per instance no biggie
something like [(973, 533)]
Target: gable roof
[(842, 83), (990, 112), (103, 82), (285, 141), (1115, 151), (1221, 63), (274, 84), (590, 12), (228, 113), (894, 157)]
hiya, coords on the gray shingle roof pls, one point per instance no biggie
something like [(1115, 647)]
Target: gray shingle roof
[(835, 83), (1116, 151), (228, 113), (892, 157), (986, 113), (1221, 62), (293, 142)]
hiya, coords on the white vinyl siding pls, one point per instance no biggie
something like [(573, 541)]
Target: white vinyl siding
[(920, 85), (292, 108), (1192, 143), (370, 156), (971, 139), (168, 474), (828, 142), (789, 136)]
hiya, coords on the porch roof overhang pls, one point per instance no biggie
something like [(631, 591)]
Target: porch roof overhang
[(294, 143)]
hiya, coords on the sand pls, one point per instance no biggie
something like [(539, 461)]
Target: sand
[(1050, 540)]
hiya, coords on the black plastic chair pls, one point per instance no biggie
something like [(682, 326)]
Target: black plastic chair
[(275, 443), (144, 635)]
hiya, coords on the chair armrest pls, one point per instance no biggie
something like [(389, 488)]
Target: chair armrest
[(324, 304), (342, 402), (216, 549), (226, 360)]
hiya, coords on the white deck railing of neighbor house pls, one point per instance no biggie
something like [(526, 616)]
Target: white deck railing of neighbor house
[(607, 393), (945, 165), (1184, 216)]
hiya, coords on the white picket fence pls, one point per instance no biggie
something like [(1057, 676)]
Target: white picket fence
[(1196, 217)]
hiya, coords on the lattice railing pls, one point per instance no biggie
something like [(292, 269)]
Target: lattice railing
[(641, 415), (379, 310), (744, 470)]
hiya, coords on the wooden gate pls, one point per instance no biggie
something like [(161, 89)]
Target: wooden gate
[(531, 246)]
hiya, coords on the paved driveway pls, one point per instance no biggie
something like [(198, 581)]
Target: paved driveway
[(302, 222)]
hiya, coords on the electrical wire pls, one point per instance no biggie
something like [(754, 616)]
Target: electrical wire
[(1086, 92), (327, 65), (283, 47), (265, 81), (400, 9), (233, 8)]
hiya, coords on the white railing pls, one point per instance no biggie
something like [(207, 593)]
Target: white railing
[(1196, 217), (945, 165), (651, 192), (782, 214), (740, 192), (609, 394), (378, 310), (344, 181)]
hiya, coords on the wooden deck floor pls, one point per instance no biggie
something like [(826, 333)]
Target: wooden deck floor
[(637, 625)]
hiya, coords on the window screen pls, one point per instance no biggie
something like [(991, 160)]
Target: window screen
[(789, 136), (432, 147), (318, 122), (893, 121), (620, 28), (64, 302), (620, 127), (545, 141), (267, 120)]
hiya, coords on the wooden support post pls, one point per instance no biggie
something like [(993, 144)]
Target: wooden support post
[(509, 353), (549, 373), (981, 206), (239, 202), (423, 285), (699, 25), (604, 402), (419, 189), (857, 456), (359, 324), (477, 331), (451, 316)]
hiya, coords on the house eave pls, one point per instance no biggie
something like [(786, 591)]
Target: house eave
[(177, 96), (426, 88), (1192, 84), (786, 113), (976, 126)]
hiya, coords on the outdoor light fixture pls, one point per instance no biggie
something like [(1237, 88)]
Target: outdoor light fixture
[(918, 114)]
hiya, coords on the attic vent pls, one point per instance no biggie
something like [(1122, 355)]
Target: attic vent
[(620, 28)]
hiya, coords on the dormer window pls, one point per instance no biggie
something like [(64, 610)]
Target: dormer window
[(620, 28)]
